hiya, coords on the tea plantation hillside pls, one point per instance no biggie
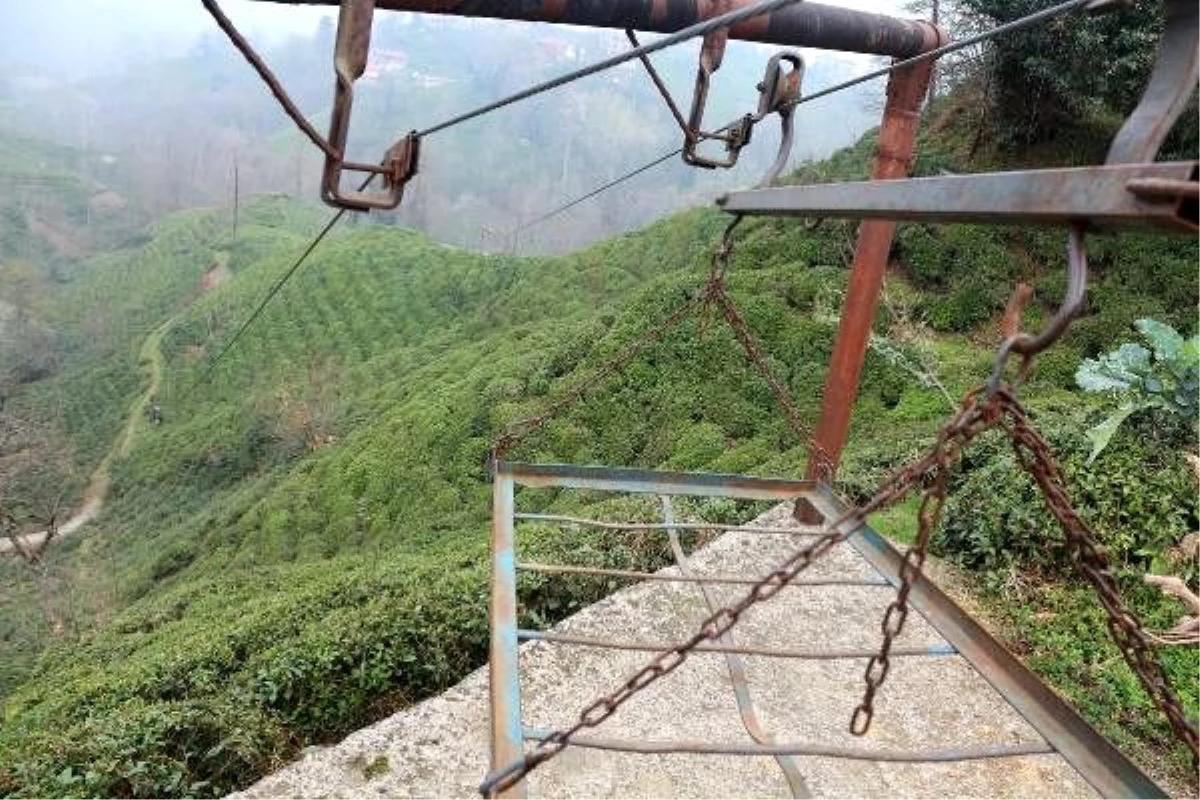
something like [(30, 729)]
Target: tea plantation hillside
[(300, 547)]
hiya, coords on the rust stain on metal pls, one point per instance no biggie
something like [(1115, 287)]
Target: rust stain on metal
[(554, 9), (906, 92), (658, 11), (802, 25)]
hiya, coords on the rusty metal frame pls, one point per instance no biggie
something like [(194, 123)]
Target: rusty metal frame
[(1111, 197), (906, 91), (399, 164), (1064, 731), (804, 24), (1128, 191)]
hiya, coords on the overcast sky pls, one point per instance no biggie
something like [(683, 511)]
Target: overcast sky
[(75, 36)]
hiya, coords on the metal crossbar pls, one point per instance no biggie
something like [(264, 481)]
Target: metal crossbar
[(831, 654), (571, 569), (1062, 730)]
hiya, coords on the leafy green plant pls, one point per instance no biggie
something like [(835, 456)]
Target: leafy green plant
[(1139, 499), (1165, 377)]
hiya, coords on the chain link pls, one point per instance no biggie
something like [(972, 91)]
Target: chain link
[(1035, 456), (980, 411), (716, 295), (970, 422), (975, 416), (712, 294)]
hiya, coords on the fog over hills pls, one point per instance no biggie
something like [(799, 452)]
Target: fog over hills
[(156, 91)]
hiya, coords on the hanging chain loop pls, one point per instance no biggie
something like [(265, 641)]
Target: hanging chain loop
[(711, 296), (982, 410)]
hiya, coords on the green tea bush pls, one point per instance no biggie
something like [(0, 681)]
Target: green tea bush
[(1139, 499)]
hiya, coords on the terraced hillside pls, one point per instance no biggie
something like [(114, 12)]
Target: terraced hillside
[(300, 547)]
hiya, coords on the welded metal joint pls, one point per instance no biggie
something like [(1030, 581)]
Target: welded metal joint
[(399, 164)]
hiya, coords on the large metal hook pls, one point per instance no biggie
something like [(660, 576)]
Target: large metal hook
[(1027, 345), (779, 93), (735, 136)]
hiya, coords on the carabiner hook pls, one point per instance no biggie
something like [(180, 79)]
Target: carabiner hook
[(1027, 345)]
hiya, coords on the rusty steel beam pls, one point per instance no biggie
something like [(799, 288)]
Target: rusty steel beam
[(1171, 84), (800, 25), (906, 91), (1111, 197)]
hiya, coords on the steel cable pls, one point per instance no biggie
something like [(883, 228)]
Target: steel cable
[(699, 29), (1019, 24), (273, 83)]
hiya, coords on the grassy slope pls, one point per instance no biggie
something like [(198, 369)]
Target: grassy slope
[(300, 547)]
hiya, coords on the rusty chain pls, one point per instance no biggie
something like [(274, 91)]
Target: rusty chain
[(981, 411), (1035, 456), (973, 419), (712, 294), (715, 294), (892, 624), (522, 429)]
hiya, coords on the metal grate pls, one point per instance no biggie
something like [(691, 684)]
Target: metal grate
[(1061, 729)]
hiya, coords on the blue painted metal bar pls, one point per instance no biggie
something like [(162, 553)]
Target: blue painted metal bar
[(504, 682), (660, 526), (942, 754), (640, 481), (938, 650)]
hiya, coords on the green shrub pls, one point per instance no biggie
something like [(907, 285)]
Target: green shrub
[(1139, 500)]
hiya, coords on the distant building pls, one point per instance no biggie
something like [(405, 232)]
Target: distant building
[(385, 62)]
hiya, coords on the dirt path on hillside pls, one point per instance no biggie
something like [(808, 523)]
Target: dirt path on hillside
[(439, 748), (150, 359)]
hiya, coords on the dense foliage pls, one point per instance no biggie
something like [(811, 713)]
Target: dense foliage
[(1071, 80), (299, 548), (1162, 380)]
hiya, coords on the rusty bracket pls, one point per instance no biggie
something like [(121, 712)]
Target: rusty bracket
[(736, 136), (1171, 84), (1128, 191), (399, 163)]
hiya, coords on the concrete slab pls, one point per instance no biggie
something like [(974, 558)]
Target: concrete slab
[(439, 747)]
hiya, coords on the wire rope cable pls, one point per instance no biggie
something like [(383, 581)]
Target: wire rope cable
[(1024, 22), (699, 29)]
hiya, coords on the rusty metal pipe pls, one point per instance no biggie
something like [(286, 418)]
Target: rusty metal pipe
[(801, 25), (906, 91)]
